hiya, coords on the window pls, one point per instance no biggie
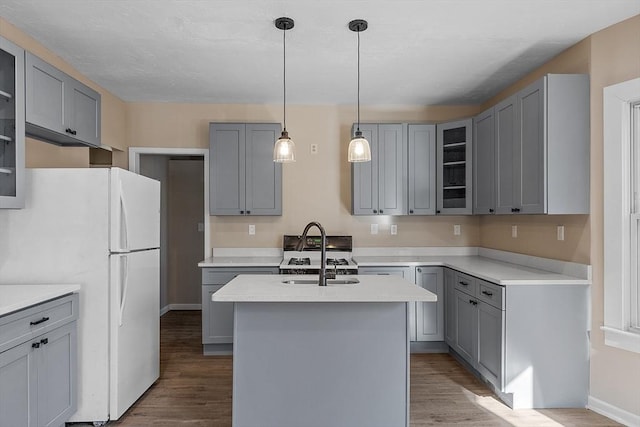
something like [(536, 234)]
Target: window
[(622, 215)]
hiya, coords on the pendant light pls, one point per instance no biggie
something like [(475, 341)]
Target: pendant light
[(359, 150), (284, 150)]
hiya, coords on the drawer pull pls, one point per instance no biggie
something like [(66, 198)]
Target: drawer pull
[(35, 345), (487, 293), (463, 283), (44, 341), (473, 302), (37, 322)]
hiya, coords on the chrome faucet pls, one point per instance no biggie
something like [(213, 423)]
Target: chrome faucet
[(322, 280)]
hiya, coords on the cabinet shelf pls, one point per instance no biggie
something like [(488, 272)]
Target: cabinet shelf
[(5, 138), (458, 163), (5, 95), (454, 144), (455, 187)]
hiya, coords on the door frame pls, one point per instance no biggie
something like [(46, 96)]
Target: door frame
[(134, 166)]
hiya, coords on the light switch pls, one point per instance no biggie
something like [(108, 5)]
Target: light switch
[(394, 229), (560, 232), (374, 228), (514, 231), (252, 229), (456, 230)]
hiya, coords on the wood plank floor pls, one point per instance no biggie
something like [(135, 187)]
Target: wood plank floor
[(194, 390)]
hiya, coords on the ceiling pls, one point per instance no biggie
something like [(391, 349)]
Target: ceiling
[(415, 52)]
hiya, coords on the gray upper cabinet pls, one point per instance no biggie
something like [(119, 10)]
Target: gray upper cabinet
[(483, 163), (422, 169), (379, 187), (542, 147), (454, 151), (60, 109), (11, 125), (244, 179)]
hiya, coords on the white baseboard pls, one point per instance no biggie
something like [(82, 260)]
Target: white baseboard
[(170, 307), (613, 412)]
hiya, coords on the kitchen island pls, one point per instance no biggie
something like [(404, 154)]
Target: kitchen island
[(306, 355)]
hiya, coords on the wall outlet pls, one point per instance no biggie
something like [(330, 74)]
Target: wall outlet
[(314, 148), (560, 232), (252, 229), (394, 229), (374, 228), (514, 231), (456, 230)]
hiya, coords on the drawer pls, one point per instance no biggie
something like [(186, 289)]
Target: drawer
[(25, 324), (490, 293), (223, 275), (466, 283)]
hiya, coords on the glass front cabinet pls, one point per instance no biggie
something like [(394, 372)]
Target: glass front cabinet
[(454, 160), (11, 125)]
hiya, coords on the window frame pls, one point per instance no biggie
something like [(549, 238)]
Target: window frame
[(621, 216)]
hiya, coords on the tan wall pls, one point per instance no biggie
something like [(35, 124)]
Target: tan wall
[(615, 57), (316, 187), (114, 111)]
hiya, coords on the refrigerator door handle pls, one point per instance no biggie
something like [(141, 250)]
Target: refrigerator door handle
[(124, 285), (124, 230)]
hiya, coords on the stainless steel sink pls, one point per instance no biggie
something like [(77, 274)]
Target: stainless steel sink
[(315, 282)]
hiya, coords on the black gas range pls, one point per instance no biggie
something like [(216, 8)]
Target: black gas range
[(307, 261)]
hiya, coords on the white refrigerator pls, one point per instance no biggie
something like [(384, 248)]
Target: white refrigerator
[(99, 228)]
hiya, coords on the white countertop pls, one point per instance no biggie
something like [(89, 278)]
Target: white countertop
[(269, 288), (241, 261), (18, 297), (502, 273)]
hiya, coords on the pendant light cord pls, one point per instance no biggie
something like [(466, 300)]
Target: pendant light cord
[(284, 76), (358, 79)]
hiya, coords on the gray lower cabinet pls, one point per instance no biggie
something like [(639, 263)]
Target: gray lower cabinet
[(542, 147), (430, 315), (60, 109), (454, 151), (528, 341), (38, 365), (483, 163), (217, 317), (422, 169), (379, 187), (243, 178)]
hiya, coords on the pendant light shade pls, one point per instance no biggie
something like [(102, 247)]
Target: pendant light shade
[(284, 149), (359, 150)]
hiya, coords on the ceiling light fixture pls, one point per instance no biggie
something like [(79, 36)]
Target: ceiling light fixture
[(359, 150), (284, 150)]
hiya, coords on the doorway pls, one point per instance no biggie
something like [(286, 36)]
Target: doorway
[(184, 234)]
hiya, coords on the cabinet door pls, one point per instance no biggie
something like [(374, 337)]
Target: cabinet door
[(11, 125), (83, 112), (45, 90), (57, 376), (490, 343), (227, 169), (506, 136), (530, 152), (364, 176), (454, 141), (466, 327), (483, 163), (18, 384), (217, 318), (450, 304), (422, 169), (430, 315), (263, 175), (392, 169)]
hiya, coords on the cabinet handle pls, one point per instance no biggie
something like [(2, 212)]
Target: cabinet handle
[(68, 130), (381, 211), (515, 209), (73, 132), (490, 210), (37, 322), (419, 270), (410, 211), (437, 212), (375, 211), (35, 345), (241, 212), (472, 302), (487, 293), (463, 283), (248, 212), (44, 341)]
